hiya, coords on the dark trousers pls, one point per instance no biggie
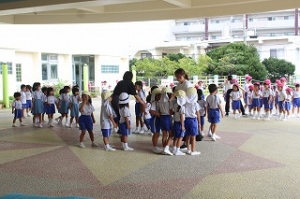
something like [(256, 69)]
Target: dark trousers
[(227, 104)]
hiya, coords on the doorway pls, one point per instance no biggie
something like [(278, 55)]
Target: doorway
[(78, 62)]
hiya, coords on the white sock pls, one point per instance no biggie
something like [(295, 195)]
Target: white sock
[(126, 145), (167, 147), (123, 144), (175, 149)]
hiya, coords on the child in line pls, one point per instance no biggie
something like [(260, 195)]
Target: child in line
[(267, 95), (236, 96), (17, 109), (248, 80), (281, 102), (256, 100), (192, 120), (74, 106), (23, 100), (147, 115), (37, 104), (296, 99), (214, 109), (202, 105), (50, 103), (44, 91), (58, 120), (139, 108), (28, 99), (179, 118), (249, 99), (64, 101), (124, 124), (166, 119), (155, 119), (288, 105), (87, 119), (276, 97)]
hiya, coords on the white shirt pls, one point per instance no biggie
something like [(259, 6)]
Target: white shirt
[(249, 97), (246, 87), (147, 114), (296, 94), (191, 109), (184, 85), (28, 95), (74, 99), (256, 95), (88, 110), (178, 113), (50, 99), (227, 86), (164, 108), (64, 97), (142, 95), (124, 112), (202, 106), (23, 97), (154, 106), (288, 97), (267, 92), (38, 95), (106, 112), (17, 104), (213, 101), (236, 95), (281, 95)]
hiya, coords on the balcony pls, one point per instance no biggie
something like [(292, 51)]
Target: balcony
[(277, 24), (200, 28)]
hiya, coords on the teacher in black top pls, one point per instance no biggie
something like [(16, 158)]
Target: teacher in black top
[(126, 86)]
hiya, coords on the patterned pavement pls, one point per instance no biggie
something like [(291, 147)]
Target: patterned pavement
[(254, 159)]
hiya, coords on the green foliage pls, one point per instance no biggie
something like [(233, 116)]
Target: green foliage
[(176, 57), (57, 86), (132, 63), (236, 58), (278, 68)]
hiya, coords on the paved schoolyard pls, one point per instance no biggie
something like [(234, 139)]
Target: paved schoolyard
[(254, 159)]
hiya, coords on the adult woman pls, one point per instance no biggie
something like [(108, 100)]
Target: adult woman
[(126, 86), (183, 80)]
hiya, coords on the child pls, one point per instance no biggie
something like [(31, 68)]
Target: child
[(248, 80), (147, 115), (282, 96), (202, 106), (289, 96), (155, 119), (107, 119), (192, 120), (276, 97), (50, 102), (17, 109), (44, 91), (249, 99), (58, 107), (23, 100), (86, 120), (213, 110), (64, 100), (139, 109), (165, 119), (124, 124), (235, 96), (256, 100), (28, 99), (296, 99), (74, 106), (179, 118), (267, 95), (37, 104)]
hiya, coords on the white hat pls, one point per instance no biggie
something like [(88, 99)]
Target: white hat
[(164, 92), (124, 98), (86, 93), (154, 93), (191, 94), (105, 95)]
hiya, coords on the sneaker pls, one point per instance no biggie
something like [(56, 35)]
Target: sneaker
[(178, 152), (284, 119), (189, 152), (195, 153), (77, 125), (128, 148), (136, 130), (81, 145), (254, 118), (216, 136), (209, 134), (22, 124), (141, 131), (157, 150), (167, 152), (109, 148), (183, 146), (202, 133), (28, 115), (94, 145), (14, 125), (67, 125), (41, 126)]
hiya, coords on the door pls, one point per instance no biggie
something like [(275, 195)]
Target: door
[(78, 75)]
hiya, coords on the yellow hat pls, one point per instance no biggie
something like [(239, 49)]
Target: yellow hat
[(156, 91), (105, 95), (180, 93), (166, 90), (86, 93), (191, 91)]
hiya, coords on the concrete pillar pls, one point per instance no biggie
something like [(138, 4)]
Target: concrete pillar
[(85, 71), (296, 22), (5, 85), (134, 74), (206, 29)]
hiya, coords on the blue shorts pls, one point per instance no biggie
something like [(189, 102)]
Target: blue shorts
[(123, 129), (281, 105), (75, 110), (85, 123), (261, 103), (166, 122), (214, 116), (18, 113), (296, 102), (137, 108), (287, 106), (256, 103), (29, 103), (50, 109), (191, 126), (236, 105), (155, 124), (64, 107), (202, 120), (24, 105), (177, 130), (106, 132), (266, 104), (147, 123)]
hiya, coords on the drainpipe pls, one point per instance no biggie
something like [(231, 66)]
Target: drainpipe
[(296, 22), (206, 29)]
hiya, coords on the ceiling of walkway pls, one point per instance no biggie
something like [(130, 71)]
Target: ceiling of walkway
[(96, 11)]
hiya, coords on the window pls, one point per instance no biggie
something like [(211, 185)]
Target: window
[(49, 67), (109, 69), (18, 72), (9, 67), (250, 19), (213, 37), (277, 53), (186, 23), (146, 55), (270, 18)]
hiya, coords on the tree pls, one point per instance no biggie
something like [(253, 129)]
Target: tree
[(132, 62), (236, 58), (175, 57), (278, 68)]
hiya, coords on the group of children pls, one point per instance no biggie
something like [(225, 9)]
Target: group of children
[(257, 96)]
